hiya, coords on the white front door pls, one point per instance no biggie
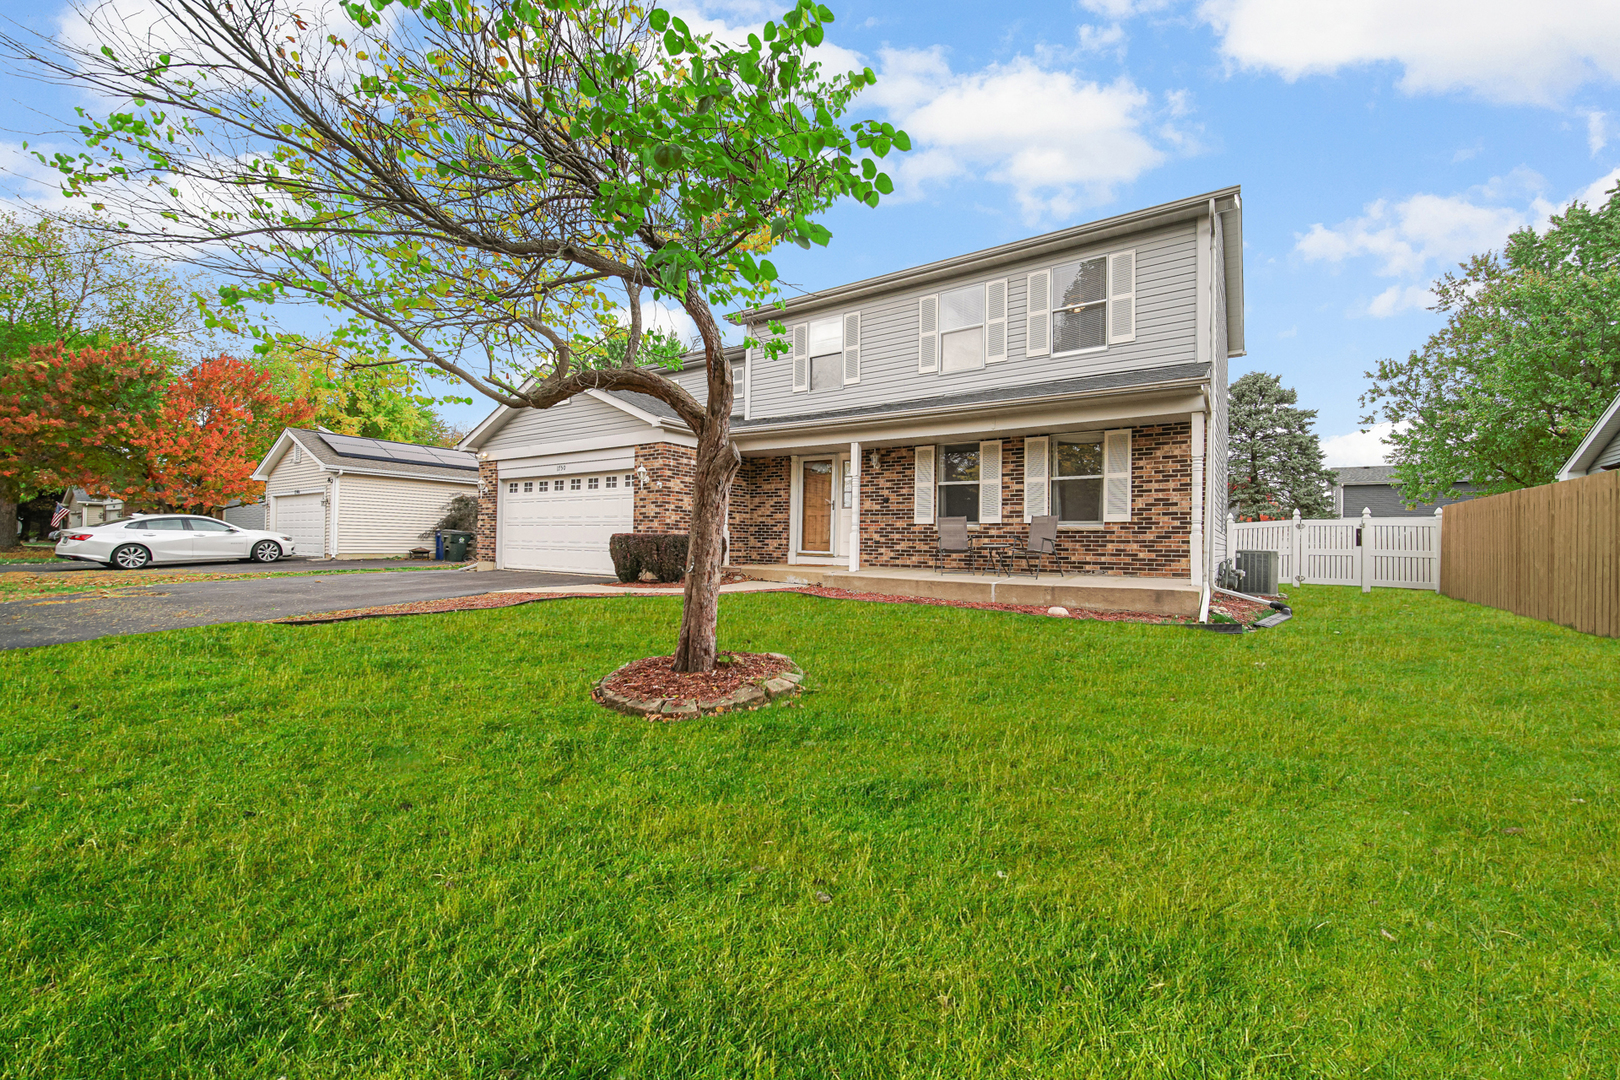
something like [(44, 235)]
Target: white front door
[(563, 523), (303, 517)]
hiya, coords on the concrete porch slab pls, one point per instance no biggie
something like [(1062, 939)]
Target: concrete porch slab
[(1094, 592)]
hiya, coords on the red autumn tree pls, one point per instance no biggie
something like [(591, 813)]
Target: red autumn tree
[(73, 418), (216, 421)]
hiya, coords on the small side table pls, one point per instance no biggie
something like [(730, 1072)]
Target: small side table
[(1001, 556)]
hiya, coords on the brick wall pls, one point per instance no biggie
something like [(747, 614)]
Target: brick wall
[(1152, 544), (759, 511), (488, 492), (664, 500)]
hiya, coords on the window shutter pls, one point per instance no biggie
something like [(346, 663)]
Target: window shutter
[(1121, 297), (1037, 477), (801, 357), (995, 315), (928, 339), (1038, 314), (990, 483), (1117, 475), (922, 498), (852, 347)]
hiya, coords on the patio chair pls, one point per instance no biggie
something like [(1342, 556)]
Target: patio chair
[(1042, 544), (953, 539)]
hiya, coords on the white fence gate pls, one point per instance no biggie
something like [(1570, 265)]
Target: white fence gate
[(1400, 553)]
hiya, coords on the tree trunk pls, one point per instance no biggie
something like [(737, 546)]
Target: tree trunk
[(8, 516), (716, 467)]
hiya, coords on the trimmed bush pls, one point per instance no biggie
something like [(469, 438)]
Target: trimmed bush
[(661, 554)]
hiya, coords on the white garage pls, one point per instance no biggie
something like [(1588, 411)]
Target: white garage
[(303, 517), (563, 523)]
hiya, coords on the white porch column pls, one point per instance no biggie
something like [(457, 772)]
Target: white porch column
[(855, 506), (1196, 541)]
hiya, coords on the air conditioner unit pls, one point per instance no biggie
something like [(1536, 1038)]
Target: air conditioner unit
[(1260, 569)]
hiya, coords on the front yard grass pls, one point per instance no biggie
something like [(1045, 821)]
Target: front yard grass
[(1377, 841)]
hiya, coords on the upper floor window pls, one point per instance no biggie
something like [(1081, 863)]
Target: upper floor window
[(1086, 304), (961, 329), (826, 354), (1079, 303)]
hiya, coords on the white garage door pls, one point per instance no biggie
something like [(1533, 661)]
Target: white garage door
[(303, 517), (563, 523)]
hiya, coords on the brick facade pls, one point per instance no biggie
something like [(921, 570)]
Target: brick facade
[(488, 492), (1154, 543), (664, 499)]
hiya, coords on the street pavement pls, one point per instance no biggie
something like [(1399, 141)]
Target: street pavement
[(232, 566), (55, 619)]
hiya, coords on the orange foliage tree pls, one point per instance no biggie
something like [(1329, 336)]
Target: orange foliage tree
[(73, 418), (216, 421)]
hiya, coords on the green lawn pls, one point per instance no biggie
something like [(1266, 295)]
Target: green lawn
[(1378, 841)]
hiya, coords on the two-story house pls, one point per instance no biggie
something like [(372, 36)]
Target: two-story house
[(1081, 373)]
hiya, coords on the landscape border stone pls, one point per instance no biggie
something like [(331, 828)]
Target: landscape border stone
[(778, 689)]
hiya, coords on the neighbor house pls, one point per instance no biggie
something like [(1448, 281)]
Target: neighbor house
[(345, 497), (85, 509), (1599, 451), (1373, 487), (1081, 373)]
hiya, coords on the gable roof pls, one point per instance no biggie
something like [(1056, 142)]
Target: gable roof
[(1227, 202), (340, 455), (1603, 433), (1365, 474)]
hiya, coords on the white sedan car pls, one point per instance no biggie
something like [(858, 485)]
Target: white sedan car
[(169, 538)]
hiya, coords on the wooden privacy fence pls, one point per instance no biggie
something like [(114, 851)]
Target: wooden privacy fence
[(1400, 553), (1549, 553)]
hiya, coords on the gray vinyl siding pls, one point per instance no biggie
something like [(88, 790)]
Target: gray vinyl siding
[(1166, 333), (1609, 458), (1384, 500), (582, 418), (246, 516)]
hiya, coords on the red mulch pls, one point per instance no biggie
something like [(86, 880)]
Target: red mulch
[(728, 578), (425, 607), (1243, 611), (651, 679)]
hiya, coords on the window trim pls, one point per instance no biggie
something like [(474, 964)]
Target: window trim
[(1052, 314), (982, 326), (940, 483), (1054, 477)]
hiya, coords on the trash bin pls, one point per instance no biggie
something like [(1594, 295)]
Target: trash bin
[(438, 545), (456, 544)]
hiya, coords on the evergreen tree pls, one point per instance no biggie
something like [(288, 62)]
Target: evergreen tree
[(1275, 459)]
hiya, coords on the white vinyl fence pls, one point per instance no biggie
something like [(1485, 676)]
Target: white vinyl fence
[(1400, 553)]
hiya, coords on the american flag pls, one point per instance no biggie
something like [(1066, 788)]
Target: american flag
[(59, 515)]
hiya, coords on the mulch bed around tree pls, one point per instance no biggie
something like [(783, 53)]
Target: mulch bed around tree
[(1243, 611), (652, 679), (480, 602)]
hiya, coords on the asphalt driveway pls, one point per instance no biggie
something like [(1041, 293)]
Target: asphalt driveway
[(141, 609), (234, 566)]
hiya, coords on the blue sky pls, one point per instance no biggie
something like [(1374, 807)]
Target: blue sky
[(1377, 143)]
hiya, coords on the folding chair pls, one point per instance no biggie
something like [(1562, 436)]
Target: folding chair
[(953, 539), (1042, 544)]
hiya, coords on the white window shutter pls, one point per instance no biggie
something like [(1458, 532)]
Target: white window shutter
[(990, 483), (1038, 314), (801, 357), (928, 339), (1117, 475), (995, 315), (852, 348), (1121, 297), (1037, 477), (922, 498)]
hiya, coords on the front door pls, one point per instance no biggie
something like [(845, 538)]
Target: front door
[(816, 532)]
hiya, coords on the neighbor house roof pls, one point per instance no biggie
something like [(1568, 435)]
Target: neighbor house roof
[(372, 457), (1602, 437), (1227, 202), (1366, 474)]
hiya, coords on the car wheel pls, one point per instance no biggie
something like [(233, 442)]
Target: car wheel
[(266, 551), (130, 557)]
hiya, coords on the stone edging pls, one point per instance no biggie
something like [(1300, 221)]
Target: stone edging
[(753, 695)]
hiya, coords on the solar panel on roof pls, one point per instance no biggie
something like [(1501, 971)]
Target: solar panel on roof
[(355, 446)]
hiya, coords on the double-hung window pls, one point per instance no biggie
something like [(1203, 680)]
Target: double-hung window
[(961, 329), (959, 480), (1077, 479), (1079, 305), (827, 354)]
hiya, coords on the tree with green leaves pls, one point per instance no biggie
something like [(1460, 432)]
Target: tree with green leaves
[(62, 280), (1527, 361), (489, 189), (1274, 459)]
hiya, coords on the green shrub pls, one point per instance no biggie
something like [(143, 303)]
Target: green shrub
[(661, 554)]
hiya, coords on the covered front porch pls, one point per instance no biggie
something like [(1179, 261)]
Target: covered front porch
[(1091, 592)]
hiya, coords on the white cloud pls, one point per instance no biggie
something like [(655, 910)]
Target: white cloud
[(1096, 39), (1597, 134), (1597, 192), (1059, 141), (1410, 236), (1357, 448), (1501, 50), (1399, 298), (1121, 9)]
